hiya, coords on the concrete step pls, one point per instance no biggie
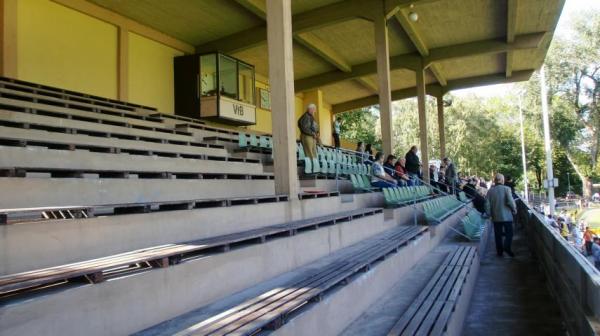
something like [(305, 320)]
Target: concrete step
[(338, 298), (40, 158), (49, 139), (381, 317), (55, 242), (139, 300), (44, 192), (91, 101), (117, 130), (14, 100)]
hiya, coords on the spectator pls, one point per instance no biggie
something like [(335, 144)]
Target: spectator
[(360, 149), (511, 184), (369, 153), (337, 124), (588, 239), (470, 190), (401, 173), (432, 177), (380, 178), (450, 175), (413, 165), (389, 166), (596, 252), (309, 131), (501, 209)]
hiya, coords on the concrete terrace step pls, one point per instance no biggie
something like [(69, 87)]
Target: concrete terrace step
[(124, 227), (81, 160), (141, 297), (45, 192), (50, 91), (294, 297), (17, 136), (92, 126), (31, 103)]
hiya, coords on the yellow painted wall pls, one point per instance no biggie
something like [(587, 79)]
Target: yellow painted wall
[(151, 73), (60, 47)]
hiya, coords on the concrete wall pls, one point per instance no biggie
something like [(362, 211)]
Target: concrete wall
[(125, 305), (42, 192), (57, 242)]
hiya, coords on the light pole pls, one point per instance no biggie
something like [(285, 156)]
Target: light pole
[(547, 142), (524, 159), (569, 181)]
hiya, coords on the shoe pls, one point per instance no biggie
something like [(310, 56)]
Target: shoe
[(510, 254)]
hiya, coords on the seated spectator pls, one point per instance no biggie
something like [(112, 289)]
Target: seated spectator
[(470, 190), (401, 173), (389, 166), (380, 178)]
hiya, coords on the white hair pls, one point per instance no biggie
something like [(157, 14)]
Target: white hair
[(311, 106), (499, 179)]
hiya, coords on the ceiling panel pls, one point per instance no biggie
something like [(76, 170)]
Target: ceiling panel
[(191, 21)]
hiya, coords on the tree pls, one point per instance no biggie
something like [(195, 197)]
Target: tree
[(573, 71), (360, 125)]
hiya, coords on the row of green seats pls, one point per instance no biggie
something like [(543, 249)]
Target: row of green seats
[(402, 195), (330, 167), (439, 208), (473, 225), (248, 140), (463, 197), (361, 182)]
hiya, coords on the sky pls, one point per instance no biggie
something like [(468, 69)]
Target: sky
[(570, 10)]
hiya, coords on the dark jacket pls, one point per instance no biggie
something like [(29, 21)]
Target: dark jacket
[(450, 173), (413, 164), (308, 125)]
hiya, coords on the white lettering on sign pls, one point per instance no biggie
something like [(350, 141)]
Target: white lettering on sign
[(235, 110)]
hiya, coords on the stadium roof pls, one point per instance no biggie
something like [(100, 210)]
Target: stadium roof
[(464, 43)]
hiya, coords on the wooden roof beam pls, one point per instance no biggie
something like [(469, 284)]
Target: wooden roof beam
[(368, 84), (301, 23), (511, 24), (393, 6), (436, 89), (309, 40), (413, 60), (410, 30)]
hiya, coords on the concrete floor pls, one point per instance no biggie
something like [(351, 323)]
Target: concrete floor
[(511, 297)]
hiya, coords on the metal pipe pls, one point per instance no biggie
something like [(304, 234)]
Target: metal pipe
[(547, 141)]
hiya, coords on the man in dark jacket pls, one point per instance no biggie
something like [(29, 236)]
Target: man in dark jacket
[(309, 131), (450, 174), (413, 164)]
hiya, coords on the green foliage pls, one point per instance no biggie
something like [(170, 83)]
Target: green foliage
[(360, 125)]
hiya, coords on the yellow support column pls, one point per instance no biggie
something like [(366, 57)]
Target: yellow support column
[(8, 38)]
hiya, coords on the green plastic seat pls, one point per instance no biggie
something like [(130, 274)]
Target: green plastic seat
[(308, 167)]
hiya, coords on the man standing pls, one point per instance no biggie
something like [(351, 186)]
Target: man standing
[(337, 124), (309, 131), (450, 175), (588, 238), (413, 164), (501, 208)]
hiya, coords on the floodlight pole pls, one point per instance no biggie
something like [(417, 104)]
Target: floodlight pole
[(547, 143), (525, 180)]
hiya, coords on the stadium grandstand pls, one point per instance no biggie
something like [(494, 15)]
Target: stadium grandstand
[(153, 182)]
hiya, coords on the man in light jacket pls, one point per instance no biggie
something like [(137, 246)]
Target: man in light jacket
[(501, 207)]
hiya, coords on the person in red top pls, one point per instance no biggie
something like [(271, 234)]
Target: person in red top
[(588, 238), (401, 173)]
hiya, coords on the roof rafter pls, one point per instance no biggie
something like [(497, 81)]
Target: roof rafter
[(419, 44), (309, 40), (301, 23), (436, 89), (413, 60), (393, 6), (511, 24)]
